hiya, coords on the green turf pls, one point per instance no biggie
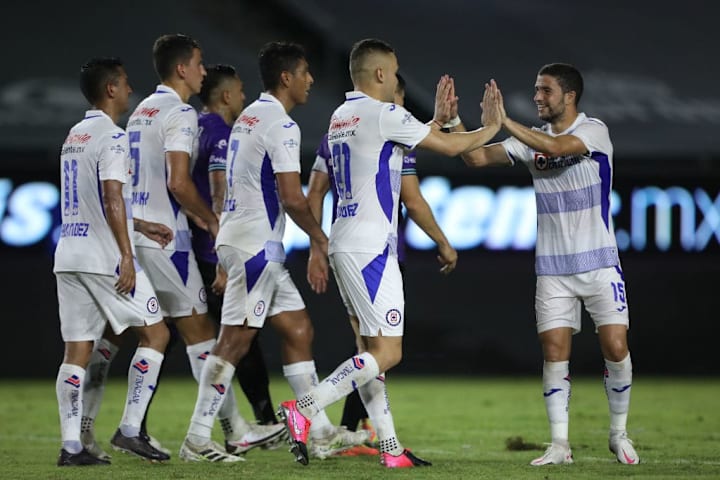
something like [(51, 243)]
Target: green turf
[(461, 425)]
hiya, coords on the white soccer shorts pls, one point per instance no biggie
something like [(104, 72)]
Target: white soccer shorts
[(175, 276), (88, 300), (558, 297), (256, 288), (371, 287)]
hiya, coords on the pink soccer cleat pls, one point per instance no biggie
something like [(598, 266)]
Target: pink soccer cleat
[(405, 460), (298, 427)]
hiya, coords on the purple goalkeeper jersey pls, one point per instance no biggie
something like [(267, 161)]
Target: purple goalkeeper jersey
[(212, 148)]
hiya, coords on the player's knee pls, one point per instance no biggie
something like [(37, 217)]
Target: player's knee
[(615, 349)]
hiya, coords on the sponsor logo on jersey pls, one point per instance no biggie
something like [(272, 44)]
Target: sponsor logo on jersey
[(73, 380), (393, 317), (543, 162), (78, 138), (291, 143), (152, 305), (259, 308), (338, 123), (116, 149), (186, 109), (249, 120), (289, 124), (118, 135), (146, 112)]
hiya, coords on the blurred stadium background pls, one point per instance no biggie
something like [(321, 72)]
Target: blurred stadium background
[(650, 74)]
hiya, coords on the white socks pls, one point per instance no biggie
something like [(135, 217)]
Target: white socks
[(212, 388), (69, 391), (374, 397), (618, 383), (234, 426), (348, 376), (302, 378), (94, 386), (142, 378), (556, 392)]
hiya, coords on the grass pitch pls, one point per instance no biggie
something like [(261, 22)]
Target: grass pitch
[(462, 425)]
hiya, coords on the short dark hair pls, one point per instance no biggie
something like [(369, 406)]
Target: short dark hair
[(278, 57), (401, 82), (170, 50), (95, 74), (567, 76), (215, 76), (362, 49)]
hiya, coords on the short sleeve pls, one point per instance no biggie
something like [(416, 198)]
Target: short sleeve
[(594, 134), (218, 151), (320, 165), (399, 126), (409, 163), (516, 150), (181, 126), (113, 160), (282, 142), (323, 149)]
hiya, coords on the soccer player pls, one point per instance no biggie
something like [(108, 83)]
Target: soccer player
[(97, 280), (321, 180), (368, 135), (162, 133), (263, 183), (571, 161), (223, 99)]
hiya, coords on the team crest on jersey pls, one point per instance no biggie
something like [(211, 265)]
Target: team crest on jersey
[(541, 161), (393, 317), (152, 305), (259, 308), (203, 295)]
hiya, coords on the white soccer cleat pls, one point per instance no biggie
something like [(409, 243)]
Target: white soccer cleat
[(209, 452), (623, 449), (340, 440), (555, 454), (257, 436)]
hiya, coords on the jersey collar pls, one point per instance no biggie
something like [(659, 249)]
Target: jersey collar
[(580, 118), (354, 95), (266, 97), (160, 89), (94, 113)]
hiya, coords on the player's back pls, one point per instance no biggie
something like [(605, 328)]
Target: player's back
[(95, 149), (263, 141), (366, 139), (160, 123)]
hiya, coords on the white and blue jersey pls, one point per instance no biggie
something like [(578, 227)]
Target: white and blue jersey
[(572, 195), (95, 150), (263, 141), (367, 140), (161, 123)]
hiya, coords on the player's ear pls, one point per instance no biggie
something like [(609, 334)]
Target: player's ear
[(285, 78), (570, 97), (226, 96), (110, 89), (380, 75), (180, 70)]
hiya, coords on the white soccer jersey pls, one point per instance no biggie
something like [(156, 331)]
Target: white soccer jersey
[(572, 194), (95, 150), (367, 139), (161, 123), (264, 141)]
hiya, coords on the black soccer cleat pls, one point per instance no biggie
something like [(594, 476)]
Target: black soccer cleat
[(139, 446), (83, 458)]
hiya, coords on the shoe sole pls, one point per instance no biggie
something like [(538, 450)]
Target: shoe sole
[(299, 449), (135, 454), (260, 443)]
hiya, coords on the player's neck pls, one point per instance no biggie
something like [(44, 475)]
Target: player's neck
[(283, 97), (180, 87), (221, 110), (373, 91), (564, 121), (109, 109)]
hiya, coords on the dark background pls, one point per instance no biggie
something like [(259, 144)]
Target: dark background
[(650, 73)]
